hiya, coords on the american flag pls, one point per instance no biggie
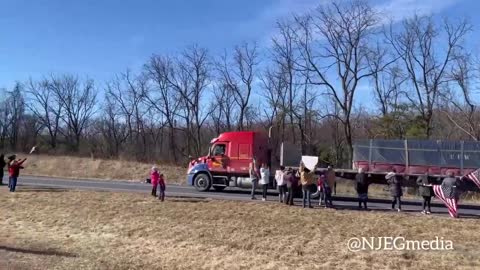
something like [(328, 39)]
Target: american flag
[(451, 204), (475, 177)]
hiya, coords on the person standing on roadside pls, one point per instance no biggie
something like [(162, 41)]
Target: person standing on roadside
[(362, 188), (14, 171), (307, 178), (2, 167), (252, 169), (10, 160), (395, 184), (281, 184), (291, 182), (154, 177), (264, 180), (425, 190), (331, 180), (451, 190)]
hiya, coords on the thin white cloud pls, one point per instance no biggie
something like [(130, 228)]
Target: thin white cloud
[(265, 22), (285, 8), (397, 10), (390, 10)]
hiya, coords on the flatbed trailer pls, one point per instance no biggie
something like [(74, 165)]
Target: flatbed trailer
[(227, 163)]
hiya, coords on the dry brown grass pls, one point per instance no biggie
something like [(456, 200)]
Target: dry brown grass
[(88, 168), (102, 230)]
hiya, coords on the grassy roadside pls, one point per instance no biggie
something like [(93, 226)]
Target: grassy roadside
[(61, 229), (89, 168)]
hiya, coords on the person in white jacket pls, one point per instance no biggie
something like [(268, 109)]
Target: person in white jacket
[(281, 184), (264, 180)]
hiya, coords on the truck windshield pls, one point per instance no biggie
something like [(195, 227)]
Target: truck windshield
[(218, 149)]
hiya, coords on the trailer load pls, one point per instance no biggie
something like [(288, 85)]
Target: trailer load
[(417, 156)]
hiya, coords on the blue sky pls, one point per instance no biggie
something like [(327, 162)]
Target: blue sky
[(101, 38)]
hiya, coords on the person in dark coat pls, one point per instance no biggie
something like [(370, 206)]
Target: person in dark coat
[(291, 185), (2, 167), (395, 185), (362, 188), (425, 190)]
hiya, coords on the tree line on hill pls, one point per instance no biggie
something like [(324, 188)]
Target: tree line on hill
[(335, 74)]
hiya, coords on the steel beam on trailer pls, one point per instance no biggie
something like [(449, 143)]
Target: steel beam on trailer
[(462, 156), (281, 154), (370, 155), (407, 159)]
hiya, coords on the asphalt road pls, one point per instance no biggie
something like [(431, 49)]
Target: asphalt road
[(340, 202)]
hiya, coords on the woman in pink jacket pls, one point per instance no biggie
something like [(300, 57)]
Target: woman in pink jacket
[(154, 177)]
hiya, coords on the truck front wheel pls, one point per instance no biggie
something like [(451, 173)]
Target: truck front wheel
[(202, 182)]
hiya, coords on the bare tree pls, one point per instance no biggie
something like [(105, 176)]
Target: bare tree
[(459, 104), (112, 126), (335, 43), (386, 82), (419, 46), (275, 99), (128, 91), (223, 111), (239, 75), (162, 95), (12, 110), (17, 110), (78, 100), (191, 78), (46, 107)]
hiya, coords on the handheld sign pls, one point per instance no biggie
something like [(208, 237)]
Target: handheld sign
[(310, 162)]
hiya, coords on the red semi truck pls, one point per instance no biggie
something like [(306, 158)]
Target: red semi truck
[(227, 162)]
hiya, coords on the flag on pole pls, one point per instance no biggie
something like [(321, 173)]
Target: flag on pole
[(475, 177)]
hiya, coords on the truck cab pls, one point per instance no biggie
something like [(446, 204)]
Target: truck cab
[(228, 159)]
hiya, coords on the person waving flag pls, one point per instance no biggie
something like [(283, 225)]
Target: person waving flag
[(448, 192)]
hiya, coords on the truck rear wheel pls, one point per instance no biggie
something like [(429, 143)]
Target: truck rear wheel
[(202, 182)]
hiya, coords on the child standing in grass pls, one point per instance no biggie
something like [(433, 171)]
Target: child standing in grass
[(154, 176), (161, 184)]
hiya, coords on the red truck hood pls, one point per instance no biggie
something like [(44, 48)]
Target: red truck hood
[(196, 161)]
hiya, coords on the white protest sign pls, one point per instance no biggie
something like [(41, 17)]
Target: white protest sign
[(310, 162)]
